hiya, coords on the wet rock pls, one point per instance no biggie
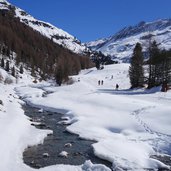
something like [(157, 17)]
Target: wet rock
[(31, 120), (41, 124), (38, 120), (64, 122), (44, 94), (50, 114), (40, 110), (78, 154), (50, 134), (37, 166), (68, 145), (65, 118), (1, 102), (46, 155), (32, 162), (63, 154)]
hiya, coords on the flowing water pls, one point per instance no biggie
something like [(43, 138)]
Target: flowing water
[(79, 150)]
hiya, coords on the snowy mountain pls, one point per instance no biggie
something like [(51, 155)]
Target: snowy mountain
[(122, 43), (57, 35), (120, 123)]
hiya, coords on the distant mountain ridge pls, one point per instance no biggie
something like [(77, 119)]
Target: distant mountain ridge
[(57, 35), (120, 46)]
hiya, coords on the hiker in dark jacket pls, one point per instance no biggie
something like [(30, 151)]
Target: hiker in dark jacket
[(117, 86), (99, 82)]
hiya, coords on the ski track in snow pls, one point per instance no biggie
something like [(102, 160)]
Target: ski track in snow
[(160, 137), (136, 114)]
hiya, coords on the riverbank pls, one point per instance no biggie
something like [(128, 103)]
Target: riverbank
[(78, 150)]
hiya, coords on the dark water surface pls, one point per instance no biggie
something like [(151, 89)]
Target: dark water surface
[(80, 151)]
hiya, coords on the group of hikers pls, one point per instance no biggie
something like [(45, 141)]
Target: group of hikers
[(101, 82), (164, 86)]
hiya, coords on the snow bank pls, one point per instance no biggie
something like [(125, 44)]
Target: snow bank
[(16, 131)]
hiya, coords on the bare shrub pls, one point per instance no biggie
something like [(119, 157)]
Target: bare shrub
[(35, 81), (70, 81), (1, 102), (1, 78), (8, 80)]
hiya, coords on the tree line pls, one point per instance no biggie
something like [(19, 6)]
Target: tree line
[(36, 51), (6, 66), (158, 67)]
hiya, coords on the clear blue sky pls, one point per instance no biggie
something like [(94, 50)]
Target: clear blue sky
[(92, 19)]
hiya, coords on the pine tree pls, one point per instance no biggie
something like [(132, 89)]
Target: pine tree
[(8, 52), (59, 75), (2, 63), (13, 71), (154, 65), (97, 62), (7, 67), (3, 51), (136, 72), (21, 69), (165, 71)]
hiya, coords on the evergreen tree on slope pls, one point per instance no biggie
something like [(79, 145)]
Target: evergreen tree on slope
[(136, 72), (154, 65)]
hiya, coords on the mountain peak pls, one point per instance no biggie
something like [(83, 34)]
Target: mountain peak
[(3, 1), (121, 44), (4, 5), (143, 27)]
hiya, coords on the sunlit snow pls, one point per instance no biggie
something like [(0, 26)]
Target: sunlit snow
[(128, 125)]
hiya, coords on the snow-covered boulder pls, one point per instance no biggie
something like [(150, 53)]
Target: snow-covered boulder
[(68, 145), (46, 155), (63, 154)]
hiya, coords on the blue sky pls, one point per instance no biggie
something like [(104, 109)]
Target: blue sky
[(92, 19)]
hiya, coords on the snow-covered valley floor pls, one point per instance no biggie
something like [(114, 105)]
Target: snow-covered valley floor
[(128, 125)]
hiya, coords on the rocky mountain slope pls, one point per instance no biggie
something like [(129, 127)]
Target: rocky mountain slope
[(57, 35), (120, 46), (46, 50)]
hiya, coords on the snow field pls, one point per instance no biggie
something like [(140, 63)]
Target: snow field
[(123, 122), (128, 125)]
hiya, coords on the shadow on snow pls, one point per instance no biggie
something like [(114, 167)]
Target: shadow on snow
[(130, 91)]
